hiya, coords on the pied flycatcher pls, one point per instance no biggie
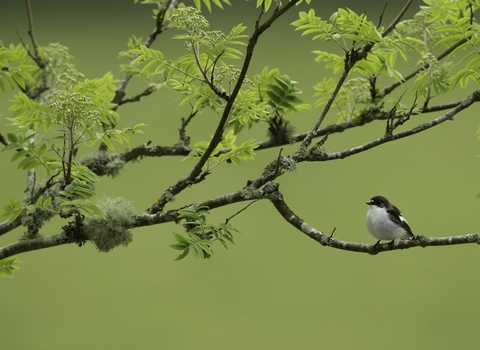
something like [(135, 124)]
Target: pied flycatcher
[(385, 221)]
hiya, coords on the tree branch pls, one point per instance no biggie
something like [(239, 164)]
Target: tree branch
[(7, 226), (183, 130), (159, 28), (370, 115), (137, 97), (33, 244), (328, 241), (246, 194), (42, 64), (397, 19), (197, 170), (3, 141), (311, 156), (31, 33), (308, 139)]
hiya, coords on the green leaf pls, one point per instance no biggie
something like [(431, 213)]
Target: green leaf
[(11, 210), (181, 239), (19, 155), (11, 137), (47, 202), (106, 140), (30, 209), (38, 203), (179, 246), (8, 266), (183, 254), (197, 252), (29, 163), (205, 246)]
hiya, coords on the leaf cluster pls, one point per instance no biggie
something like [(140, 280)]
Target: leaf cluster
[(279, 91), (204, 78), (201, 234), (76, 198), (226, 151), (343, 27), (16, 67)]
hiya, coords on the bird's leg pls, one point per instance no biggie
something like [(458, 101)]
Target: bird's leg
[(390, 244), (375, 247)]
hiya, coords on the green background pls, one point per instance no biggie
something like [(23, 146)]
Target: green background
[(275, 289)]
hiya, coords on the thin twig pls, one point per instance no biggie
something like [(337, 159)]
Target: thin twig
[(279, 160), (137, 97), (241, 210), (183, 130), (31, 32), (308, 139), (3, 140), (35, 56), (381, 15), (397, 19)]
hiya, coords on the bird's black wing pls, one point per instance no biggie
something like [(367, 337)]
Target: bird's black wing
[(396, 216)]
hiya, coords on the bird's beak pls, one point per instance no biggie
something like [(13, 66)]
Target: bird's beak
[(368, 203)]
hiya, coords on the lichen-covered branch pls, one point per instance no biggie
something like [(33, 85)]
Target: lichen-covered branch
[(33, 244)]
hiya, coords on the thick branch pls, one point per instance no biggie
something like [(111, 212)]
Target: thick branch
[(217, 202), (146, 150), (7, 226), (140, 221), (33, 244)]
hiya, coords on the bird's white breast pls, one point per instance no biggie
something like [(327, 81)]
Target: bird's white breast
[(381, 226)]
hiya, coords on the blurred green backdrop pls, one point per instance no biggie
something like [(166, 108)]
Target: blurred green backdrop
[(275, 289)]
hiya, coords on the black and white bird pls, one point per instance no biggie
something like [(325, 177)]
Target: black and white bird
[(385, 221)]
